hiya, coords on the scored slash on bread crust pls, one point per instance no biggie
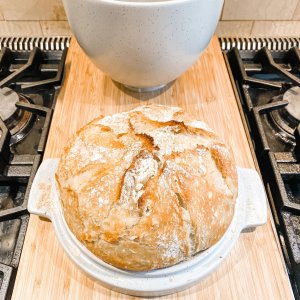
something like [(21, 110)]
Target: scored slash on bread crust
[(148, 188)]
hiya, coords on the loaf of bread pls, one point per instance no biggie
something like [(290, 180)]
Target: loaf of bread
[(148, 188)]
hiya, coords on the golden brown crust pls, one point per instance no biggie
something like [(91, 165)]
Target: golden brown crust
[(148, 188)]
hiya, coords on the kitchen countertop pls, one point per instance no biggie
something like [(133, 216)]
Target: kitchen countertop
[(253, 270)]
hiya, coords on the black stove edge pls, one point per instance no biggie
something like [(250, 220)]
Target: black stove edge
[(29, 43), (252, 43), (244, 121), (6, 275)]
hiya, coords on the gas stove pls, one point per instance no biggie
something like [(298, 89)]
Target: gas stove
[(265, 74), (31, 73)]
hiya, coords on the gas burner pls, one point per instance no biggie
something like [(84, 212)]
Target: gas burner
[(291, 112), (287, 118), (17, 120)]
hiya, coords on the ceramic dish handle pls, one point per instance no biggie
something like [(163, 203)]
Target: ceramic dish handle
[(251, 191), (253, 194), (40, 197)]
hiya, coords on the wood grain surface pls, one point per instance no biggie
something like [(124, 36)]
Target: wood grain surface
[(254, 268)]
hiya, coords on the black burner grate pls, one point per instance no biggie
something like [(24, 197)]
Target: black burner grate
[(31, 73), (6, 274), (266, 77)]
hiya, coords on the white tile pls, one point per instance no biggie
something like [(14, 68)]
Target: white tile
[(234, 28), (32, 10), (259, 9), (276, 28), (20, 28), (55, 28), (296, 15)]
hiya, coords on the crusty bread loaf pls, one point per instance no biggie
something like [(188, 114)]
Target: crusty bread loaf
[(148, 188)]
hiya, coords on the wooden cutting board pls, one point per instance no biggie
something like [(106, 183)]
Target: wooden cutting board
[(253, 270)]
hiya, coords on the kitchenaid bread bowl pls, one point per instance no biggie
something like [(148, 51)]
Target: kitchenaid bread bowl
[(143, 44), (147, 197)]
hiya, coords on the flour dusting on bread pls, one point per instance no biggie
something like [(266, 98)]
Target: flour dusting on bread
[(148, 188)]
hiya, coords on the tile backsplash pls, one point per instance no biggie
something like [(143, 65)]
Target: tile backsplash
[(239, 18), (258, 18), (32, 10), (259, 9)]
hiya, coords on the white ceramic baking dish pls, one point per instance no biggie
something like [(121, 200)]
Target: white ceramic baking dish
[(250, 211)]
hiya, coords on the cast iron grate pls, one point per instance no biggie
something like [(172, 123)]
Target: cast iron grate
[(31, 73), (6, 274), (266, 78)]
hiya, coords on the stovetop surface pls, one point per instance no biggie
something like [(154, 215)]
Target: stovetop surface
[(31, 73), (266, 74), (266, 77)]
